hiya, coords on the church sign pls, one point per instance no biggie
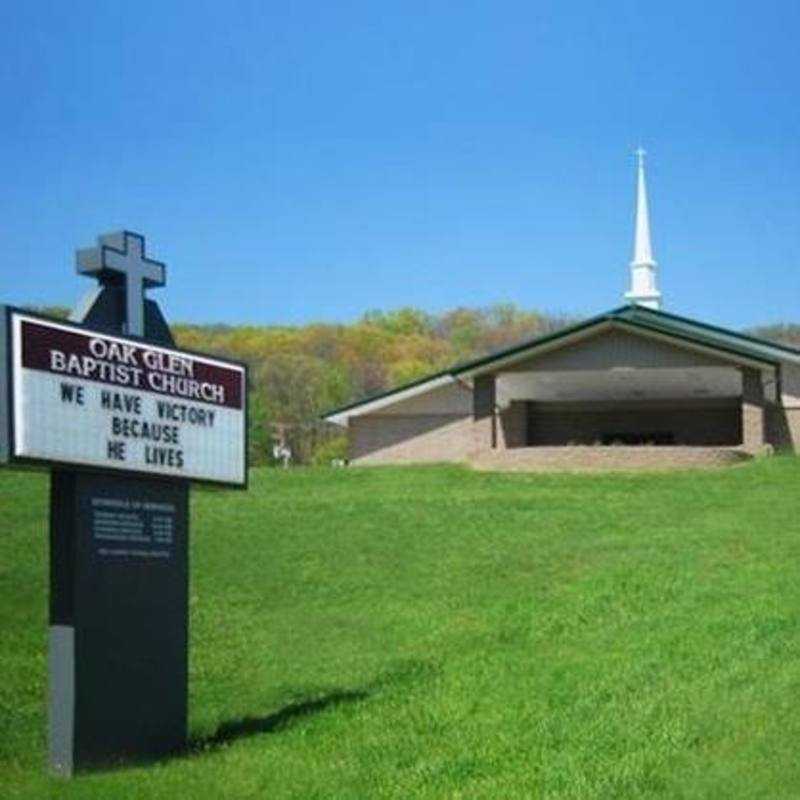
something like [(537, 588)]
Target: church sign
[(83, 398), (125, 422)]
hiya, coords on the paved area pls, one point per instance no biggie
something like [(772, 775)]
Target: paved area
[(598, 458)]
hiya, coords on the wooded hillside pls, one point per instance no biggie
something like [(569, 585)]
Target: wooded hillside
[(298, 373)]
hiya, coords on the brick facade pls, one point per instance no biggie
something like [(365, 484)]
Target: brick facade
[(754, 427), (436, 426), (783, 428), (783, 418), (513, 425), (459, 421), (399, 438), (390, 439)]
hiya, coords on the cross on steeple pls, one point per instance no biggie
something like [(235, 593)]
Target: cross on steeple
[(119, 259)]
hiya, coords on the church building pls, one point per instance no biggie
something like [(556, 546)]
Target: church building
[(660, 387)]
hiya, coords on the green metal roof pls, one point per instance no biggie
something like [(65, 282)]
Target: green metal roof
[(710, 335), (646, 319)]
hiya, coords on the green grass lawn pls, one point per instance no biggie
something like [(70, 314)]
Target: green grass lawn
[(441, 633)]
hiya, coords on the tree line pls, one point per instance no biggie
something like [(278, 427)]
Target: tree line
[(299, 372)]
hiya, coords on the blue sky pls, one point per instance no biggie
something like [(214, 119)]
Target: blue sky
[(308, 161)]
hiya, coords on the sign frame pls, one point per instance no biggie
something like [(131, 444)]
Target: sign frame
[(8, 375)]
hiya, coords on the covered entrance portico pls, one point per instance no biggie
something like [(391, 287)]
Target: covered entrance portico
[(620, 387), (694, 406)]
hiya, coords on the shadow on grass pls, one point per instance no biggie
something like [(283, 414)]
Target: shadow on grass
[(279, 720), (234, 730), (399, 674)]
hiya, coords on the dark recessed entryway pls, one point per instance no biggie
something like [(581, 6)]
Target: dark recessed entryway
[(702, 422)]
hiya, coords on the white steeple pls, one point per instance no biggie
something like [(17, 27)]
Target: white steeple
[(643, 289)]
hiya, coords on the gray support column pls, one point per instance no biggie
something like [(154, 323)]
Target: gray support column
[(61, 664), (753, 411), (483, 411)]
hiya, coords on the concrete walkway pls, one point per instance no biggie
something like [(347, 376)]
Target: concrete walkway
[(577, 458)]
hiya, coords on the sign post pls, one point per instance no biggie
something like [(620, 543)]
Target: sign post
[(126, 421)]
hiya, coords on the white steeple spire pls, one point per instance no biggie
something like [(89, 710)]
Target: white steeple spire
[(643, 289)]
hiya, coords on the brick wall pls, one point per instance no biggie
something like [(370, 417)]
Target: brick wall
[(783, 428), (513, 425), (753, 412), (376, 439), (447, 424)]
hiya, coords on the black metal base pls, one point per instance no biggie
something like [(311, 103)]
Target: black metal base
[(119, 618)]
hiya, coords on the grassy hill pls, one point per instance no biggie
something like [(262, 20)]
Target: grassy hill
[(438, 633)]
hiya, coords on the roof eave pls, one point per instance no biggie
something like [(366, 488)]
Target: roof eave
[(342, 416)]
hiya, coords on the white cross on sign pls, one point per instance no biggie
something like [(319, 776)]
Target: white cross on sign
[(121, 256)]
